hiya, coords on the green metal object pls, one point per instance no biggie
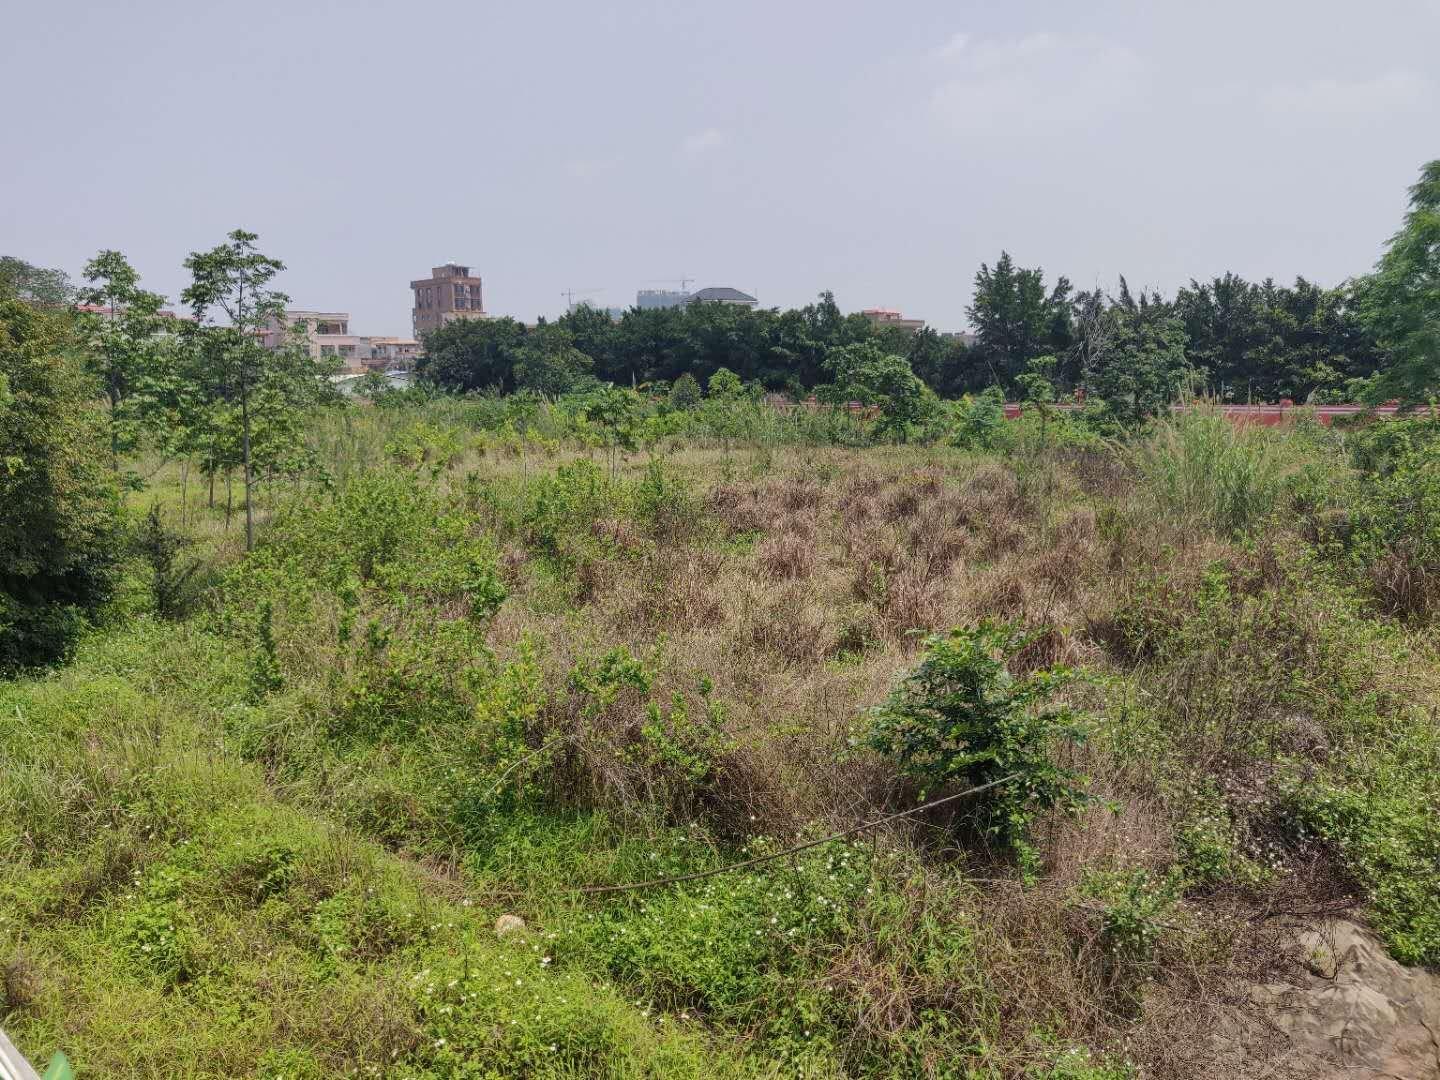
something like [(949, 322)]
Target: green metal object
[(59, 1068)]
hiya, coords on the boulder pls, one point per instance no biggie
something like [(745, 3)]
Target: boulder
[(1353, 1011), (507, 925)]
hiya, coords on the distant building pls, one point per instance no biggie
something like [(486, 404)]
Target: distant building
[(449, 293), (327, 334), (649, 299), (964, 337), (102, 309), (722, 295), (391, 353), (888, 317)]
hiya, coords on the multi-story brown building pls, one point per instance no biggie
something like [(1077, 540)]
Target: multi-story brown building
[(880, 318), (449, 293)]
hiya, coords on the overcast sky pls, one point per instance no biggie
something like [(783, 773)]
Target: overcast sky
[(780, 146)]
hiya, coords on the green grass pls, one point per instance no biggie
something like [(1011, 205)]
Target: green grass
[(165, 914), (273, 838)]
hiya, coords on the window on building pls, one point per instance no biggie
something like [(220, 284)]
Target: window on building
[(347, 350), (327, 350), (459, 303)]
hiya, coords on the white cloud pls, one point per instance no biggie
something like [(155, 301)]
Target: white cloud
[(1042, 83), (1338, 99), (954, 47), (702, 142)]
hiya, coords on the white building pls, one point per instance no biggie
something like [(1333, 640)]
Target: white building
[(327, 334)]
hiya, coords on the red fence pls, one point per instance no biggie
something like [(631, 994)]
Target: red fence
[(1266, 415)]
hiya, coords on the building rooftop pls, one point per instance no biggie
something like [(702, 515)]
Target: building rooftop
[(723, 292)]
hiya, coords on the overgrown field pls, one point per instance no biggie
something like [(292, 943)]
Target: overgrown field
[(265, 820)]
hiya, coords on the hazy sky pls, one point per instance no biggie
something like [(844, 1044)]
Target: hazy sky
[(783, 147)]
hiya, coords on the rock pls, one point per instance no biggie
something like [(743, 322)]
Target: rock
[(507, 925), (1355, 1012)]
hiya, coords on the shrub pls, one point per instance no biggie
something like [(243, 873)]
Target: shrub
[(739, 946), (685, 392), (626, 749), (1395, 533), (979, 422), (663, 502), (161, 547), (385, 588), (1382, 821), (562, 509), (961, 717)]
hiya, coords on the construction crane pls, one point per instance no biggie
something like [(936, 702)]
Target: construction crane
[(683, 282), (570, 295)]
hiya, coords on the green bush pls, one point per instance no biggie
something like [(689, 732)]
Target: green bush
[(60, 536), (562, 509), (385, 588), (1379, 814), (962, 718), (1395, 532), (978, 423)]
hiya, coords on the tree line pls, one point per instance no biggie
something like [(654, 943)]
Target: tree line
[(1371, 338)]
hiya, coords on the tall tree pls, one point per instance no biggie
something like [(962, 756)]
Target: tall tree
[(1141, 367), (1016, 318), (473, 354), (594, 333), (1401, 300), (59, 526), (124, 339), (867, 374), (549, 363), (262, 391), (34, 284)]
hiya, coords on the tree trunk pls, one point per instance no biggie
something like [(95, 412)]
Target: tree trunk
[(249, 474), (114, 437)]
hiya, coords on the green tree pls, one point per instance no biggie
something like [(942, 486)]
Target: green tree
[(59, 529), (1139, 367), (372, 385), (262, 394), (1016, 318), (725, 385), (1401, 300), (685, 392), (867, 374), (473, 354), (125, 341), (596, 335), (1266, 342), (549, 363), (1037, 388), (617, 414), (34, 284)]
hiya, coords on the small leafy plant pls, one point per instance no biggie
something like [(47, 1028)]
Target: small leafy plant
[(961, 717), (1133, 907)]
